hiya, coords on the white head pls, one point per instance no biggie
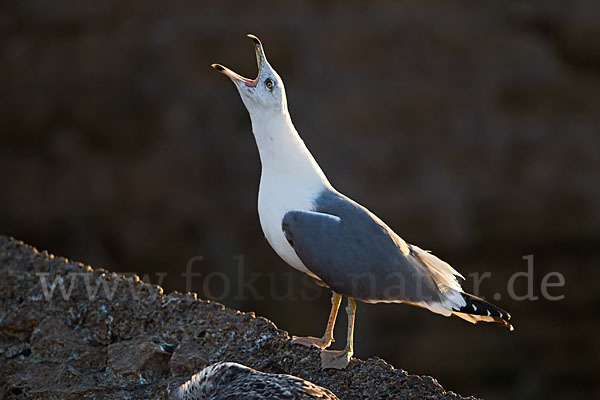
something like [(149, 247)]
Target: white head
[(280, 147), (263, 96)]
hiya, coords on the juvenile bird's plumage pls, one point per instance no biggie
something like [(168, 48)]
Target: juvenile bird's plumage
[(333, 239), (233, 381)]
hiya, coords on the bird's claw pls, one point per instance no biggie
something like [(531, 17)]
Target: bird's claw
[(310, 341), (337, 359)]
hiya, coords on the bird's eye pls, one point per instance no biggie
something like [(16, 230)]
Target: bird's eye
[(269, 84)]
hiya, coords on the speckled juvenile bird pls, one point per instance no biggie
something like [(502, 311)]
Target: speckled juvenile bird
[(233, 381), (332, 238)]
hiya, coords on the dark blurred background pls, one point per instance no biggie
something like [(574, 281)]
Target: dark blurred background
[(472, 129)]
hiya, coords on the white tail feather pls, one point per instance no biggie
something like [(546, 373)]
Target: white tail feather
[(445, 278)]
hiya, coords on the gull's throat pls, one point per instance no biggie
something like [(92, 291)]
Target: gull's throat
[(282, 151)]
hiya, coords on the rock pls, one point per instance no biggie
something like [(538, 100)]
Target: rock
[(142, 358), (17, 326), (187, 359), (132, 341), (54, 341)]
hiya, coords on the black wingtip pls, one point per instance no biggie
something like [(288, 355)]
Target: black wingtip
[(478, 307)]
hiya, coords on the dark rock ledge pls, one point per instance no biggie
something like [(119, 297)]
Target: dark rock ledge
[(143, 342)]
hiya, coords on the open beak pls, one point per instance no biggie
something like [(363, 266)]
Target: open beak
[(237, 78)]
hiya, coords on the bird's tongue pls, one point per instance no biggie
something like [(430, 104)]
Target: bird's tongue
[(248, 82), (243, 78)]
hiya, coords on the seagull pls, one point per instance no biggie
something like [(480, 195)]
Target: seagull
[(230, 380), (330, 237)]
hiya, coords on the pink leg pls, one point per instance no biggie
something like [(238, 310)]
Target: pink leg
[(325, 341)]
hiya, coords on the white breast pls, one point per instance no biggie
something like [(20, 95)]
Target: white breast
[(277, 196)]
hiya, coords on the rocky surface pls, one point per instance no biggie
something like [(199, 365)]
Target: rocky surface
[(116, 337), (471, 128)]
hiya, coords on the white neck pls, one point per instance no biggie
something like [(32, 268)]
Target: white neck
[(282, 151), (291, 179)]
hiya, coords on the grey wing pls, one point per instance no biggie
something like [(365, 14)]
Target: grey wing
[(359, 257)]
